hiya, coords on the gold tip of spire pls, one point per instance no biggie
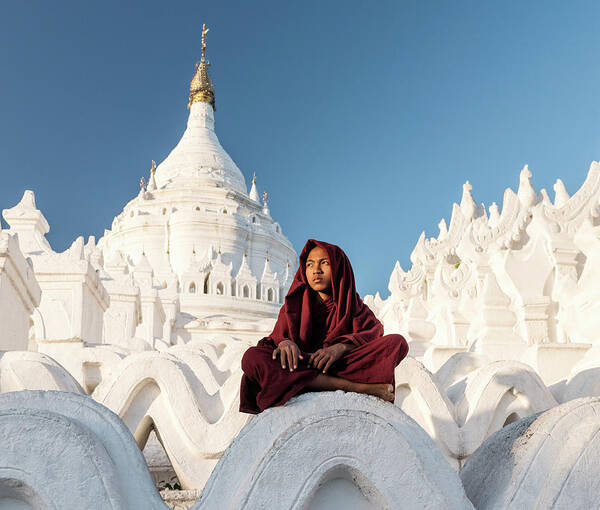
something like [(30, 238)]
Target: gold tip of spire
[(201, 87), (153, 168)]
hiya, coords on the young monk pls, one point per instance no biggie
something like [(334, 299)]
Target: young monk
[(325, 339)]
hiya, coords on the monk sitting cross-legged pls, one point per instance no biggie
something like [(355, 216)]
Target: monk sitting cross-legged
[(325, 338)]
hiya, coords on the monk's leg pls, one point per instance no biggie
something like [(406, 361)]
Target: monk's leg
[(265, 384), (373, 362), (323, 382)]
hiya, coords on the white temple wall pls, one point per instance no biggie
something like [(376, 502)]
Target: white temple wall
[(20, 293), (153, 317), (72, 306), (123, 315), (509, 285)]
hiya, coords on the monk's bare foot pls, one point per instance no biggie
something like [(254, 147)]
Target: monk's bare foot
[(383, 391)]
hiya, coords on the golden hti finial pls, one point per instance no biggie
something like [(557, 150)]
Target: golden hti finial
[(204, 32), (153, 168), (254, 178), (201, 88)]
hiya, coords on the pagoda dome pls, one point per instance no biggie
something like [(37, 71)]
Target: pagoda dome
[(199, 155)]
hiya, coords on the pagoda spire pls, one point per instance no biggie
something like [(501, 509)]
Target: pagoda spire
[(152, 182), (253, 191), (201, 87)]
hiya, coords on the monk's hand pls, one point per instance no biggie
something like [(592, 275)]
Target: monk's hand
[(289, 353), (324, 358)]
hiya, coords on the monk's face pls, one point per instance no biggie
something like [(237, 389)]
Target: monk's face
[(318, 271)]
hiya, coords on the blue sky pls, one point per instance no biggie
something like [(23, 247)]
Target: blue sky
[(361, 119)]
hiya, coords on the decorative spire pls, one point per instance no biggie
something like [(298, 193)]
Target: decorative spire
[(142, 193), (253, 191), (494, 215), (265, 198), (561, 196), (526, 193), (201, 88), (152, 182), (467, 204)]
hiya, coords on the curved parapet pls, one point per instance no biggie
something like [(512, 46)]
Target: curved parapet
[(460, 413), (548, 461), (187, 398), (67, 451), (326, 448), (585, 383), (24, 370)]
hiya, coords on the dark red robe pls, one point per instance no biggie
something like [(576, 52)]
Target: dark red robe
[(313, 324)]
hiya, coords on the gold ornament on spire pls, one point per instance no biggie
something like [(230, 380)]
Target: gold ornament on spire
[(201, 88), (153, 168)]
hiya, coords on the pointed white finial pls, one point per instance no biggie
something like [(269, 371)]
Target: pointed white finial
[(561, 196), (494, 214), (443, 229), (253, 191), (266, 203), (152, 182), (467, 204), (526, 193)]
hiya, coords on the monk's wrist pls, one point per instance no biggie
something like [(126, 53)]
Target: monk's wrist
[(343, 348)]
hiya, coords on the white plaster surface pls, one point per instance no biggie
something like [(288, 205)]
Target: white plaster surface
[(67, 451), (20, 293), (545, 461), (468, 399), (285, 455), (23, 370)]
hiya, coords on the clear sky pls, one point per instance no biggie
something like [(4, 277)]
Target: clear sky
[(361, 119)]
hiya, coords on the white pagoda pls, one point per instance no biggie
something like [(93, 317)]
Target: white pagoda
[(190, 234)]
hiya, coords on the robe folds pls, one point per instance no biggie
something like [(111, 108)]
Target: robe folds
[(314, 324)]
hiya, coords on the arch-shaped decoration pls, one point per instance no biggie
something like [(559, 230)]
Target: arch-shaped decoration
[(180, 393), (164, 211), (548, 460), (318, 438), (246, 291), (192, 288), (270, 294), (197, 208), (58, 436), (219, 289), (25, 370), (206, 282)]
